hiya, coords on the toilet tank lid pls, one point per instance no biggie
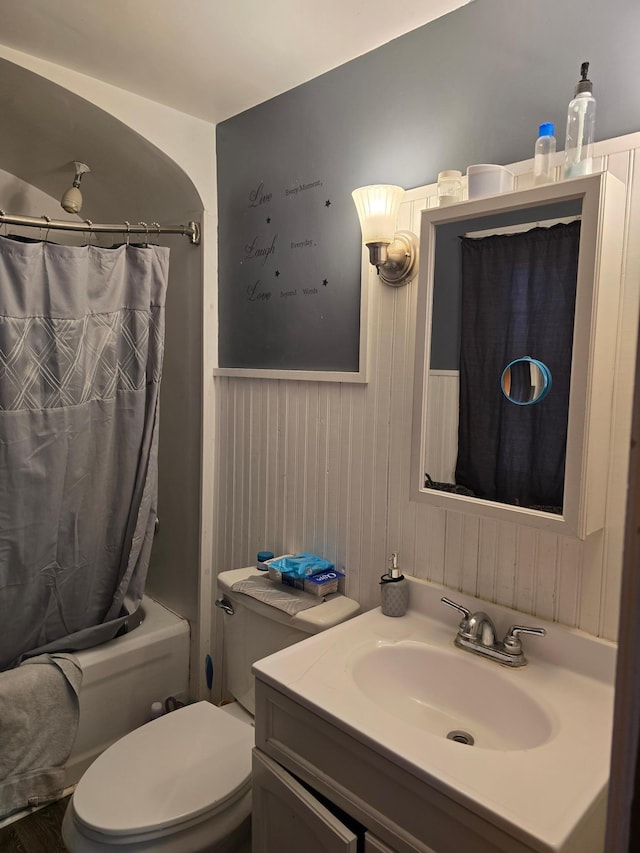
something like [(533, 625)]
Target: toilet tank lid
[(335, 609)]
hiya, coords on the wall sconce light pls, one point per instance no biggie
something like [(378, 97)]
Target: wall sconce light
[(393, 253)]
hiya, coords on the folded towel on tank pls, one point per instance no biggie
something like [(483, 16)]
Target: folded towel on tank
[(289, 600)]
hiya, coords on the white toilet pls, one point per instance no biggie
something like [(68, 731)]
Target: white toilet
[(182, 783)]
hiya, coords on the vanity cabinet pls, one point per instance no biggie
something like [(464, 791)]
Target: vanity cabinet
[(299, 752), (286, 816), (289, 816)]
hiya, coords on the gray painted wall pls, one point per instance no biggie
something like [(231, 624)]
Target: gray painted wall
[(471, 87)]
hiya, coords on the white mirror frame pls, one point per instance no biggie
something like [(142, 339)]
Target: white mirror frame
[(593, 355)]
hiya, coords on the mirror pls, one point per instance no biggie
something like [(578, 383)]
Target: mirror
[(506, 329), (525, 381), (503, 284)]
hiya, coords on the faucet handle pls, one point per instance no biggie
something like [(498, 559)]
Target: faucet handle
[(512, 643), (466, 613)]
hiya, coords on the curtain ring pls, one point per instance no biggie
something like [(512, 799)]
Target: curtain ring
[(146, 228), (157, 225), (47, 219), (128, 226), (91, 232)]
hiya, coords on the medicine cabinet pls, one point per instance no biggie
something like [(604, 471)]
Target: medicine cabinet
[(496, 318)]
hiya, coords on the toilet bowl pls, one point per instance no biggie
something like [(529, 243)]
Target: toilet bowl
[(180, 784)]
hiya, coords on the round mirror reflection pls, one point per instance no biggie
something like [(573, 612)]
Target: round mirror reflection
[(525, 381)]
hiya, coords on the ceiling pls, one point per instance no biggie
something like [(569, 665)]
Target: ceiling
[(209, 58)]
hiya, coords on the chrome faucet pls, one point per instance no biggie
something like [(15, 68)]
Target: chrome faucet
[(477, 634)]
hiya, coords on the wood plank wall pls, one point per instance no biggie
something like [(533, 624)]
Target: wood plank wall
[(323, 467)]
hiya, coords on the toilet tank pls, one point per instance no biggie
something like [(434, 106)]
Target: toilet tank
[(256, 630)]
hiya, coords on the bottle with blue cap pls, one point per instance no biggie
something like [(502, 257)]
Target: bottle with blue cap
[(545, 148)]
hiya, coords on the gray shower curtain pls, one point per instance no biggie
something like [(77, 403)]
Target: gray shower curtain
[(81, 348)]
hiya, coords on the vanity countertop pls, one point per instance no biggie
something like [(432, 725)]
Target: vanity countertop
[(540, 762)]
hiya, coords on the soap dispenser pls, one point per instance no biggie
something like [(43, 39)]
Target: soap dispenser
[(581, 118), (394, 590)]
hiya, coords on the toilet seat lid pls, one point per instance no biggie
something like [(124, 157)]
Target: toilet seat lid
[(193, 761)]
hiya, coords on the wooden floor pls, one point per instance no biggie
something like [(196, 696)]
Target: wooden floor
[(37, 833)]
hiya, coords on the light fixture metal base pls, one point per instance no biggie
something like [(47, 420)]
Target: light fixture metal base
[(399, 266)]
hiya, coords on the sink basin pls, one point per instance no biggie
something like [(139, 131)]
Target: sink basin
[(539, 765), (442, 691)]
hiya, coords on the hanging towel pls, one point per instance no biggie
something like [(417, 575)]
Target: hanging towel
[(292, 601), (38, 724)]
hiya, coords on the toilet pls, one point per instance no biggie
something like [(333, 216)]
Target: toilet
[(182, 783)]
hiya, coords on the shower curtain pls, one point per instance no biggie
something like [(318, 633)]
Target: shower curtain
[(81, 348)]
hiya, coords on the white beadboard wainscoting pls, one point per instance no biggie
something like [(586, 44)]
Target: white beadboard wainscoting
[(323, 466), (441, 449)]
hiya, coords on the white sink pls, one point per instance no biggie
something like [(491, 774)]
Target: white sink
[(442, 692), (539, 765)]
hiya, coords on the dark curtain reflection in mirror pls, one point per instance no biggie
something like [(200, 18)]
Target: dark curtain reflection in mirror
[(518, 298)]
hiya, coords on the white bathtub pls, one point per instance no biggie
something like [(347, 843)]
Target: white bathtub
[(121, 678)]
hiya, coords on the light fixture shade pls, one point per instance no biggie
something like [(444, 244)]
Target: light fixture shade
[(377, 207)]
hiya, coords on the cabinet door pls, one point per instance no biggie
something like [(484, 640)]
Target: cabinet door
[(374, 845), (285, 816)]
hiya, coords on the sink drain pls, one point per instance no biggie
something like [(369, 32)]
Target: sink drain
[(461, 737)]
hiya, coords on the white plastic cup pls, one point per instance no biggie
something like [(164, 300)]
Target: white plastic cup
[(484, 179), (449, 187)]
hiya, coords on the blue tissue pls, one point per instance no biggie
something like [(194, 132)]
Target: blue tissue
[(301, 565)]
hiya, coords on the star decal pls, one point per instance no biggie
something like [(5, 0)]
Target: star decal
[(277, 273), (268, 220), (327, 203), (325, 282)]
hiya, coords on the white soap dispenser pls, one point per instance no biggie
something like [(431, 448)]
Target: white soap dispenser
[(394, 590)]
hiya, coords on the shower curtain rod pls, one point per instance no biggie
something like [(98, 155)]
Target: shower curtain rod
[(192, 230)]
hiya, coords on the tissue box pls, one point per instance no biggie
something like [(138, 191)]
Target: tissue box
[(322, 583)]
